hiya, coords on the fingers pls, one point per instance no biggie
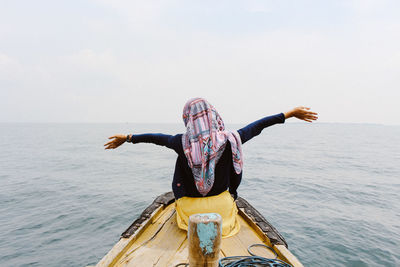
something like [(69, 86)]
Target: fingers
[(114, 143), (310, 118), (304, 113), (108, 143)]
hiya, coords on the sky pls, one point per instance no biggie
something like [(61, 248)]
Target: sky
[(140, 61)]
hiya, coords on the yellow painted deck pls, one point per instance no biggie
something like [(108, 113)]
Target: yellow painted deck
[(159, 242)]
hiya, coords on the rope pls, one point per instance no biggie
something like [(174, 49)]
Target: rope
[(249, 261), (261, 245), (253, 260), (244, 261)]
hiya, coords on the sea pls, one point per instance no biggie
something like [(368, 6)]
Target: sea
[(331, 189)]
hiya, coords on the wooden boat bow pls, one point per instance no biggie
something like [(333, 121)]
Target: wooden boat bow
[(154, 239)]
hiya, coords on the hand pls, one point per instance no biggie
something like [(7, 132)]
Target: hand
[(119, 139), (302, 113)]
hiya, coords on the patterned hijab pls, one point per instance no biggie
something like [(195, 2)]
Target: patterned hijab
[(204, 142)]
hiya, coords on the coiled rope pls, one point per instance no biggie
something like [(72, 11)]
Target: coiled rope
[(253, 260), (244, 261), (249, 261)]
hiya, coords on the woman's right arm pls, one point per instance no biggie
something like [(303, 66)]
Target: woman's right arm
[(255, 128)]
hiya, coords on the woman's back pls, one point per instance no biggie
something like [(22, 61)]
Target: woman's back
[(225, 177)]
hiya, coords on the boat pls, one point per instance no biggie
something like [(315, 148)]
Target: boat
[(154, 238)]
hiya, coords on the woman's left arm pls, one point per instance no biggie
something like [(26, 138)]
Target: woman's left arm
[(154, 138)]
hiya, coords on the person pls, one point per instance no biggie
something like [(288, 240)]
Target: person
[(209, 164)]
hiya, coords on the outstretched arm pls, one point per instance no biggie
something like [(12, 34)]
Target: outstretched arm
[(158, 139), (255, 128)]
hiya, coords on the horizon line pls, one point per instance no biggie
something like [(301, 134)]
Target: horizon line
[(130, 122)]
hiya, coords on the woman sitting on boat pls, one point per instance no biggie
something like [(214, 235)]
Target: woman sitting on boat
[(208, 169)]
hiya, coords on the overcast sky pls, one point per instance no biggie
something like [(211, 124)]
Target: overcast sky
[(139, 61)]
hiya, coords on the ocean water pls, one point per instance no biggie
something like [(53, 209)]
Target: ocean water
[(332, 190)]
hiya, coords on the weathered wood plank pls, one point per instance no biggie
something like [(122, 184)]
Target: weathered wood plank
[(275, 238), (248, 236), (287, 256), (158, 251), (139, 246), (181, 255), (162, 200), (123, 244)]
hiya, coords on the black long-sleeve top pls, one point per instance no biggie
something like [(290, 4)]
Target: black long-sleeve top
[(225, 176)]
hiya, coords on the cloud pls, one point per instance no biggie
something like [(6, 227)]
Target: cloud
[(148, 58), (139, 15), (87, 60), (10, 68)]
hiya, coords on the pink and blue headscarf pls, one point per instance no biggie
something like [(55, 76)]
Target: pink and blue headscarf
[(205, 141)]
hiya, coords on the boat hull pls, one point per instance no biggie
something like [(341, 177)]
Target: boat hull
[(154, 238)]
